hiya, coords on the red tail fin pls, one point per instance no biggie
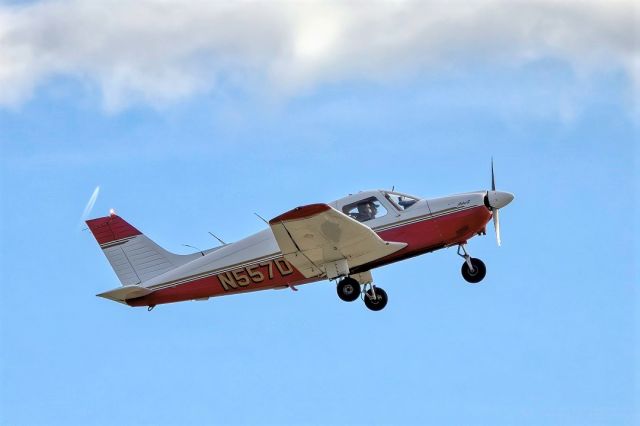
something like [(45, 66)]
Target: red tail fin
[(111, 228)]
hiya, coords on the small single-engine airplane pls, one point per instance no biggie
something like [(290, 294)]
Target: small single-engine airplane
[(343, 240)]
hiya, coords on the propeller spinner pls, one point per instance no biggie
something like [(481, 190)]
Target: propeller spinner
[(495, 200)]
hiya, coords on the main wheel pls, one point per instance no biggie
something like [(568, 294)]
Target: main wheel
[(477, 274), (348, 289), (379, 302)]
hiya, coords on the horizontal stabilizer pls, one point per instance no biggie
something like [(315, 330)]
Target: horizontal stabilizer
[(121, 294)]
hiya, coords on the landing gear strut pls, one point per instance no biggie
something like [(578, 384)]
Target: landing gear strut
[(375, 298), (473, 270), (350, 288)]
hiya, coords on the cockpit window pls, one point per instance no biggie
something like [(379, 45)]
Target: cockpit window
[(401, 201), (365, 210)]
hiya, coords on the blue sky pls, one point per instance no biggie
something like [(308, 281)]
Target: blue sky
[(550, 336)]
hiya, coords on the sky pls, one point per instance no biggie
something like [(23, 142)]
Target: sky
[(191, 116)]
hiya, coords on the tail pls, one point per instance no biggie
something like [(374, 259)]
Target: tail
[(134, 257)]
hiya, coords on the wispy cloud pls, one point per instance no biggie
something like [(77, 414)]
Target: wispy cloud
[(160, 51)]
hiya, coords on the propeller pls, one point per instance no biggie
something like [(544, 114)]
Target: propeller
[(493, 177), (495, 200), (496, 213), (496, 225), (89, 206)]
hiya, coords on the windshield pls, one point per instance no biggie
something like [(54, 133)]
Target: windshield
[(401, 201)]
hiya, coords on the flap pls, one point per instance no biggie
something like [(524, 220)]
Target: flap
[(121, 294), (317, 234)]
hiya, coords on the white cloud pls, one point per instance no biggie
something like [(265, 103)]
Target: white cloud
[(159, 51)]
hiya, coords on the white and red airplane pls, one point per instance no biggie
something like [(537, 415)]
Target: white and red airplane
[(343, 240)]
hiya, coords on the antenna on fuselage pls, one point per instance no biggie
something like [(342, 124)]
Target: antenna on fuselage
[(193, 247), (261, 218), (214, 236)]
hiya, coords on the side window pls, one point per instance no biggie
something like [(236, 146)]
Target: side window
[(365, 210), (401, 201)]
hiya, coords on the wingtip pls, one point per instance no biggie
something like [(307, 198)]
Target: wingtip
[(301, 212)]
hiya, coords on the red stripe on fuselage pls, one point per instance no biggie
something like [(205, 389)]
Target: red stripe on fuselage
[(270, 274), (421, 237), (431, 234)]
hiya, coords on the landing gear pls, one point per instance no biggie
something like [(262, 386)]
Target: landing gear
[(375, 298), (476, 274), (348, 289), (473, 270), (352, 287)]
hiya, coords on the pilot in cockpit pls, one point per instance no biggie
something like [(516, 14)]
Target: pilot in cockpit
[(366, 211)]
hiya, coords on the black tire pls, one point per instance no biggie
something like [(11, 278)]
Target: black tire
[(478, 273), (380, 301), (348, 289)]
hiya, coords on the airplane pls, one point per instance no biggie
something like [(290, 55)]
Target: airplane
[(341, 241)]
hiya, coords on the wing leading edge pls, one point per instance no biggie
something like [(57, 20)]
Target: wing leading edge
[(317, 239)]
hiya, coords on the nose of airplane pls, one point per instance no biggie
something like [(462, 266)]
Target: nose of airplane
[(499, 199)]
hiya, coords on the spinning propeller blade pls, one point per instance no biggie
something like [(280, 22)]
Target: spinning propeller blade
[(496, 215), (493, 177), (496, 225), (496, 200)]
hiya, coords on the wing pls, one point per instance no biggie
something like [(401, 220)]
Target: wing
[(318, 239)]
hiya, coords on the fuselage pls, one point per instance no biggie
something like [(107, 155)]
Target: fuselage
[(256, 262)]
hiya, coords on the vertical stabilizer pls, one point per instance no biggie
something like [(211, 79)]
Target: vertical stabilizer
[(134, 257)]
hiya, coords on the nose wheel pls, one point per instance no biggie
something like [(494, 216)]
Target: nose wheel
[(476, 273), (473, 270)]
